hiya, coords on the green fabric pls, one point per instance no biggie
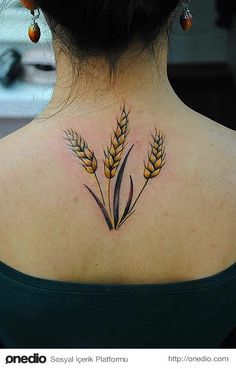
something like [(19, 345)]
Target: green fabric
[(40, 313)]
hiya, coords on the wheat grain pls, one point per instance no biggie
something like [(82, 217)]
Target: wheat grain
[(156, 157), (81, 150), (114, 152)]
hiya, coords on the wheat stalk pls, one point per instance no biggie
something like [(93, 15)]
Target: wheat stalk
[(153, 165), (113, 154), (82, 151)]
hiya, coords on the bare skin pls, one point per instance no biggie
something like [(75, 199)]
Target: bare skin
[(184, 225)]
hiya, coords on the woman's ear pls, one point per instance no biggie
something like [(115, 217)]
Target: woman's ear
[(29, 4)]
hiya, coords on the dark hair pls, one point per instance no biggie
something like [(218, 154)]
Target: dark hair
[(106, 27)]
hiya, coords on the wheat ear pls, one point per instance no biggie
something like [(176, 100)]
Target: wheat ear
[(155, 160), (156, 156), (81, 150), (113, 153)]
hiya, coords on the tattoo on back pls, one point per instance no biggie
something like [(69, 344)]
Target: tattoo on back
[(108, 202)]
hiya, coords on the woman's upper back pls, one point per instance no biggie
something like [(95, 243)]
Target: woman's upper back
[(183, 225)]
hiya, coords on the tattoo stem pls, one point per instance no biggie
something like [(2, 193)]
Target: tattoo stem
[(109, 197), (99, 188), (140, 193), (124, 220), (135, 202)]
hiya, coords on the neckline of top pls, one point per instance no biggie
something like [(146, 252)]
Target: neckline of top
[(103, 288)]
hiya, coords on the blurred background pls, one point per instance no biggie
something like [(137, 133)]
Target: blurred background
[(202, 64)]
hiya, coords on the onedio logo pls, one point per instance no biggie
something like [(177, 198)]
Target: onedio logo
[(33, 359)]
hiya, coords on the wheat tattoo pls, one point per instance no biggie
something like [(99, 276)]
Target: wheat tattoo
[(111, 211)]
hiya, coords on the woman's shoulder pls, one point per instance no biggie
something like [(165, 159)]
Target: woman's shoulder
[(222, 140), (210, 172), (218, 142)]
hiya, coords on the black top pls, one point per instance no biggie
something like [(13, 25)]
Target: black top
[(40, 313)]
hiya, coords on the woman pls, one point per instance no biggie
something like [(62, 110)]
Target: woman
[(118, 201)]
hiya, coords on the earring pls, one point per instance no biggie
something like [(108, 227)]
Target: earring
[(34, 30), (186, 18)]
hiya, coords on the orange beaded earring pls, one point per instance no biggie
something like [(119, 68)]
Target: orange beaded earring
[(34, 32), (186, 18)]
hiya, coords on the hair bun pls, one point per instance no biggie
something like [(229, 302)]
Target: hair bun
[(106, 26)]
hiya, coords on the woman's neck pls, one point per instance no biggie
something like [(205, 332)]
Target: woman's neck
[(139, 80)]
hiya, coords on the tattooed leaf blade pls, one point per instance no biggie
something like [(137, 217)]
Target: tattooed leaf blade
[(129, 201), (102, 207), (116, 198)]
